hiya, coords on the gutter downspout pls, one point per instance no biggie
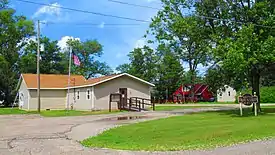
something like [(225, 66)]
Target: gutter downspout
[(93, 98)]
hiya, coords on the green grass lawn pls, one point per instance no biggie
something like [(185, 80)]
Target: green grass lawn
[(216, 103), (13, 111), (170, 103), (62, 113), (188, 132), (169, 108), (52, 113)]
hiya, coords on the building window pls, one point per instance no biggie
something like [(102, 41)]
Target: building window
[(21, 97), (88, 94), (78, 94), (229, 93)]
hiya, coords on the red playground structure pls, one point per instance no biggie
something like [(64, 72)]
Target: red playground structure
[(201, 94)]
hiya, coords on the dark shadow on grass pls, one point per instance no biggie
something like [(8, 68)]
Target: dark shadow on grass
[(247, 112)]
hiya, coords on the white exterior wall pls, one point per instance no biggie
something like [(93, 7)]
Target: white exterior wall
[(227, 95), (82, 103), (25, 92), (134, 87), (50, 99)]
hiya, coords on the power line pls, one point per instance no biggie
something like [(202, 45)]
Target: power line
[(135, 5), (88, 24), (149, 7), (126, 18), (84, 11), (102, 25)]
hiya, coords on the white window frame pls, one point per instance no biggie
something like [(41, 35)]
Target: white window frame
[(88, 94), (78, 94)]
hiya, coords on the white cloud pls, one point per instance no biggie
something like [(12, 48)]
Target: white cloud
[(140, 43), (62, 43), (27, 41), (52, 10), (102, 25)]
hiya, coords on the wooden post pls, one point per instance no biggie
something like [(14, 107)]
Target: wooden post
[(120, 102), (110, 102), (153, 106), (139, 106), (38, 68), (130, 105), (255, 106), (143, 104), (241, 108)]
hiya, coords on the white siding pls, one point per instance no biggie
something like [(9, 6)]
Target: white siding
[(227, 95), (135, 89), (25, 94), (82, 103), (50, 99)]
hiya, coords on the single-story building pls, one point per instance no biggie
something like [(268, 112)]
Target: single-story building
[(226, 94), (91, 94)]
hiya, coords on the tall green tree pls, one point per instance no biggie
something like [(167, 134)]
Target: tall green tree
[(14, 30), (52, 59), (87, 53), (170, 75), (182, 33), (143, 63), (268, 78), (124, 68), (243, 36)]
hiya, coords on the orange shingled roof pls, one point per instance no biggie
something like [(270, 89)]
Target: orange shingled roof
[(96, 80), (61, 81), (51, 80)]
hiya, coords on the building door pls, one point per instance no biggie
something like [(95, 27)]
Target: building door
[(21, 99), (123, 92)]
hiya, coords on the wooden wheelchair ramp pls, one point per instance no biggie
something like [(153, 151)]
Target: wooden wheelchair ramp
[(131, 104)]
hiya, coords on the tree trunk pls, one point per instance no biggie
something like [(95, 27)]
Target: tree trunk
[(192, 85), (256, 87)]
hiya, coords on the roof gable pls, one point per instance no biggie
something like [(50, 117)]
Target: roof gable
[(97, 81), (53, 81)]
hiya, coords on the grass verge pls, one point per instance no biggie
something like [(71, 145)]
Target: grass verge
[(63, 113), (170, 108), (52, 113), (170, 103), (14, 111), (195, 131)]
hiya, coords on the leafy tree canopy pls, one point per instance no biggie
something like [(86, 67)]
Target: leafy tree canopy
[(14, 30), (87, 53)]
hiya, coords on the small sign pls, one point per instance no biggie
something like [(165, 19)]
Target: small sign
[(115, 97), (248, 100)]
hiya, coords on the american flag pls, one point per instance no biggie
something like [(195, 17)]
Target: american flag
[(76, 60)]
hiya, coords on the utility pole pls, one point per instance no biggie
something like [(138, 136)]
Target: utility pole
[(38, 67), (69, 78)]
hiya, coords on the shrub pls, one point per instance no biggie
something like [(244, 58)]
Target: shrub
[(267, 94)]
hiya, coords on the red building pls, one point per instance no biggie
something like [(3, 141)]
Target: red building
[(201, 94)]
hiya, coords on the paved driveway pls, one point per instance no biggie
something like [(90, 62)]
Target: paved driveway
[(32, 134)]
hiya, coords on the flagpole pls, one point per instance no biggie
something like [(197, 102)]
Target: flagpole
[(69, 78)]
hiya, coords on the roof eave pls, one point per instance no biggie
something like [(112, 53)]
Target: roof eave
[(119, 75), (48, 88)]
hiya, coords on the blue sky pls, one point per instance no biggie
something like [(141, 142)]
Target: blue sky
[(118, 41)]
